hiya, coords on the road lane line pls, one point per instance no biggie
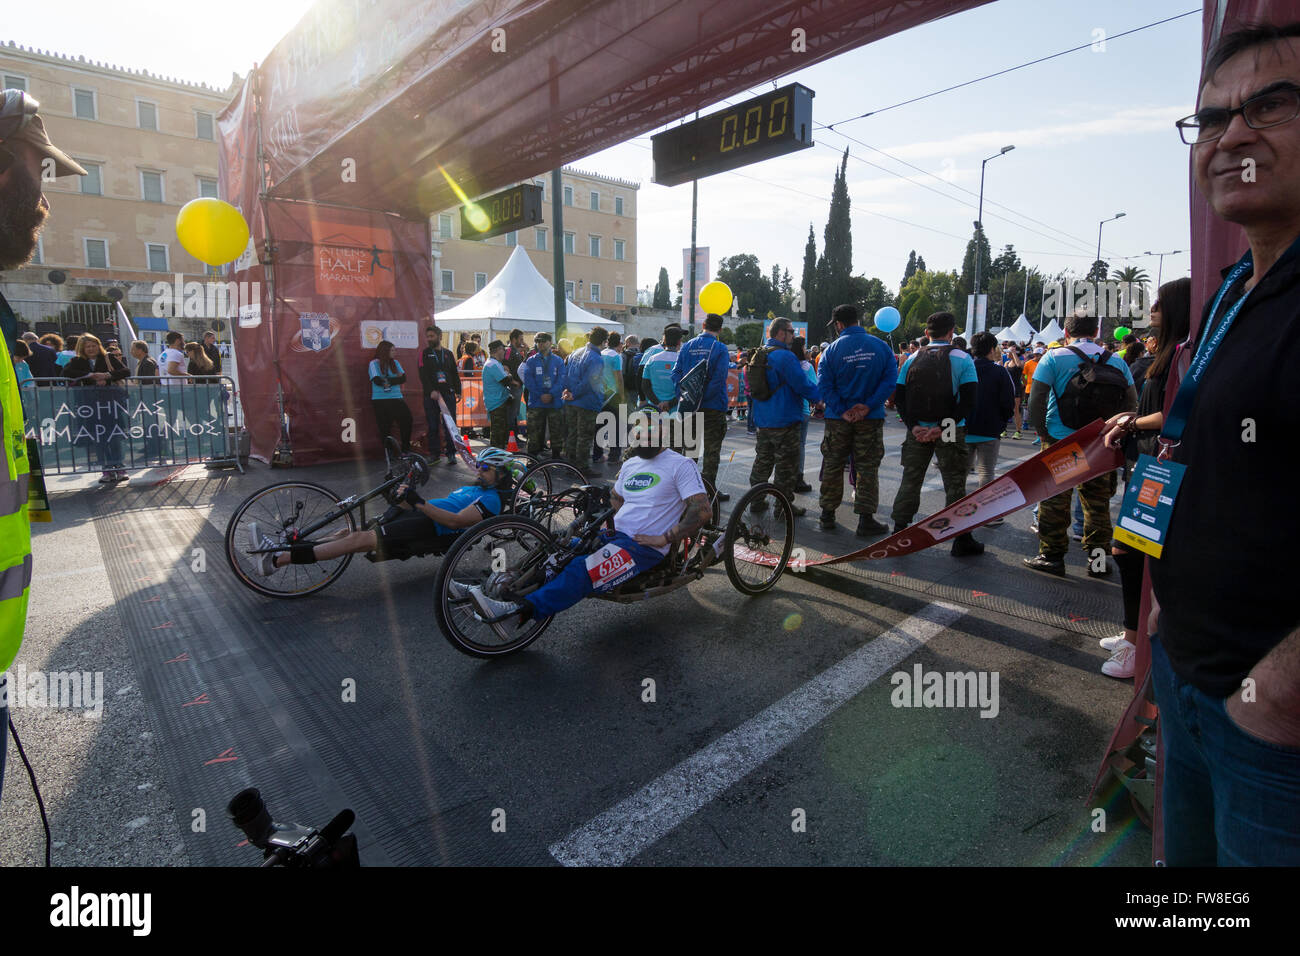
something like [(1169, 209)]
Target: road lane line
[(620, 833)]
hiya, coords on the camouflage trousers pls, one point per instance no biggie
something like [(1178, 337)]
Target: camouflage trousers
[(715, 430), (1054, 516), (546, 430), (777, 449), (866, 441), (579, 434), (499, 427), (954, 461)]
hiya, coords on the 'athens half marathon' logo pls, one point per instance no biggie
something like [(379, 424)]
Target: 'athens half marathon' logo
[(641, 481), (353, 260)]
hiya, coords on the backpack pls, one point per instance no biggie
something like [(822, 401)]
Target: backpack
[(690, 389), (1096, 390), (929, 386), (756, 374)]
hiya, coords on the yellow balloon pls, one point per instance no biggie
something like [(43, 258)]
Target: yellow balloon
[(716, 298), (212, 231)]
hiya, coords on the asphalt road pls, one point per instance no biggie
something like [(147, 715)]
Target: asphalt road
[(771, 735)]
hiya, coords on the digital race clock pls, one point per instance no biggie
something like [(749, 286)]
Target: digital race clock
[(770, 125), (511, 209)]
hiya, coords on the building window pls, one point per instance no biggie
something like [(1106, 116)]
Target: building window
[(512, 239), (157, 255), (480, 280), (92, 184), (151, 186), (568, 243), (593, 246), (208, 188), (83, 102), (541, 239), (568, 289), (595, 201), (595, 292), (214, 270), (448, 280), (204, 126), (39, 256), (444, 226), (96, 253), (618, 205), (146, 115), (568, 195), (618, 295), (618, 249), (541, 184), (15, 82)]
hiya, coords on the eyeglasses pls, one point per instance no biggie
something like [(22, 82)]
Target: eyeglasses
[(1271, 108)]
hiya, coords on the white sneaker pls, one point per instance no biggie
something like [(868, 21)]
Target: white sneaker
[(491, 608), (457, 590), (1122, 663), (1110, 643), (265, 562)]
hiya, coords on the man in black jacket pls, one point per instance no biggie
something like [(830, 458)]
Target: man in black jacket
[(438, 376), (995, 400), (43, 361)]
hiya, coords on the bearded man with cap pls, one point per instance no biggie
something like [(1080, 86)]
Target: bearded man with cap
[(26, 157)]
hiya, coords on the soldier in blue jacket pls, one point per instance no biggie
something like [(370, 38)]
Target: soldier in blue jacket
[(779, 416), (584, 395), (543, 376), (706, 347)]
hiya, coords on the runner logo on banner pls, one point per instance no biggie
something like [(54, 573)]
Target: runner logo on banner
[(353, 260)]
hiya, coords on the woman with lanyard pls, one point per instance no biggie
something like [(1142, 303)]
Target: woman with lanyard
[(96, 369), (1136, 433), (386, 378)]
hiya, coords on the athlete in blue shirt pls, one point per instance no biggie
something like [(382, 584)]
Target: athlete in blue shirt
[(414, 527)]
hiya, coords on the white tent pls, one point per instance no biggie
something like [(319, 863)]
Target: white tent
[(518, 297), (1019, 331), (1052, 332)]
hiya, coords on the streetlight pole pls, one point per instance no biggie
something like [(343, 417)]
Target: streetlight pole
[(1161, 267), (1097, 290), (979, 234)]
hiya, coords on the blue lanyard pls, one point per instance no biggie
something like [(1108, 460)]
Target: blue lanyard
[(1172, 432)]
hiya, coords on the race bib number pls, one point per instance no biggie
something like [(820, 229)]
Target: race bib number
[(608, 566), (442, 378)]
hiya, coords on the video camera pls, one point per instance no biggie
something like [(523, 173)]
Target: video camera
[(293, 844)]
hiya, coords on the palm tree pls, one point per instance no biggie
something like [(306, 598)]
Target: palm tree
[(1131, 274)]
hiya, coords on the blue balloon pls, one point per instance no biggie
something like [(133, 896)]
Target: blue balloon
[(888, 319)]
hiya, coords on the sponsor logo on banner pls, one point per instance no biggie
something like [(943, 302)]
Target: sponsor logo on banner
[(403, 335), (981, 505), (317, 334), (250, 316), (353, 260), (1066, 462), (248, 258)]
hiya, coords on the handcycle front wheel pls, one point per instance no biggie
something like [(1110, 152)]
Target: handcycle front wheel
[(759, 540), (278, 511), (539, 493), (491, 555)]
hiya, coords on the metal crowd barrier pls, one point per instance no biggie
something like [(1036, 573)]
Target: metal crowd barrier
[(134, 424)]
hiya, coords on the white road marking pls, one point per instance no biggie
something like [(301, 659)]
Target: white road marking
[(620, 833)]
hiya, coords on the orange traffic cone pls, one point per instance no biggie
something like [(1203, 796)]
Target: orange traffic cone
[(512, 446)]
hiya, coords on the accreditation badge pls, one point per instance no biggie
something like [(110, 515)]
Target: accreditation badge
[(1149, 504)]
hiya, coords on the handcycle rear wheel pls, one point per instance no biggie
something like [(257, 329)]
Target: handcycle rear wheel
[(760, 537), (278, 510), (487, 555)]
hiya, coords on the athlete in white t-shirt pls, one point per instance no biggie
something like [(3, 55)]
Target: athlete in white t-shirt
[(653, 487), (172, 363)]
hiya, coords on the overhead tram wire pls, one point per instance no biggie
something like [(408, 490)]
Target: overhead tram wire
[(1011, 69)]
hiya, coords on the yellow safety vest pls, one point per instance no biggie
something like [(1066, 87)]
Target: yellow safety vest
[(15, 532)]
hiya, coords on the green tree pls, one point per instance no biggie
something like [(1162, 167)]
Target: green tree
[(677, 303), (967, 282), (663, 297), (925, 294), (726, 336), (809, 280), (1007, 261), (870, 296), (835, 268), (910, 269), (752, 289), (749, 335), (1098, 271)]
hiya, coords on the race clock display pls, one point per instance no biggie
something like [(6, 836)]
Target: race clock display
[(515, 208), (770, 125)]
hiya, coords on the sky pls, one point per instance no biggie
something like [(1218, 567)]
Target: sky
[(1093, 132)]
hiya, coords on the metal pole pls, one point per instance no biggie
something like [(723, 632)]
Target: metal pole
[(695, 199), (979, 231), (557, 219), (1002, 307)]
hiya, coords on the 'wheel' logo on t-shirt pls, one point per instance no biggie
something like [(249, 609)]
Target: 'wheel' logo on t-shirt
[(642, 481)]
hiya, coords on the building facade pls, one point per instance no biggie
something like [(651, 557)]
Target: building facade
[(598, 238), (149, 145)]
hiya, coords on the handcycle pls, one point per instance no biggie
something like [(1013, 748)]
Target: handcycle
[(304, 512), (511, 555)]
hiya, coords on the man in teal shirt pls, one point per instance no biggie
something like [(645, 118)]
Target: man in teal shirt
[(496, 395)]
